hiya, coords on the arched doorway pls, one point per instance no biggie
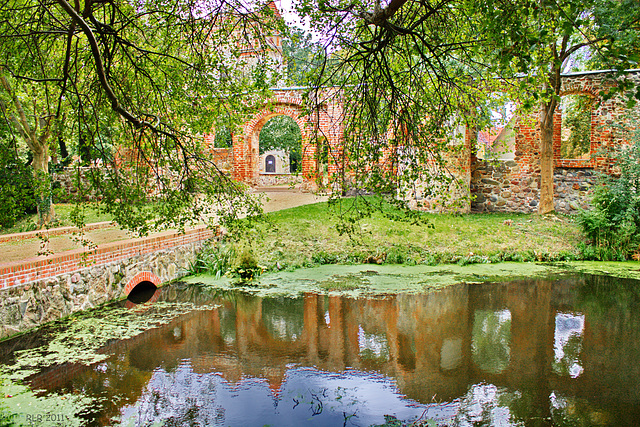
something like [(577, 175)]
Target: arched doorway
[(280, 140), (270, 164)]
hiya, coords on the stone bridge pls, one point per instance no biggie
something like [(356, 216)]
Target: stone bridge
[(43, 289)]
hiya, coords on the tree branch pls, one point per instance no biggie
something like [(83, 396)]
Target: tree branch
[(100, 71)]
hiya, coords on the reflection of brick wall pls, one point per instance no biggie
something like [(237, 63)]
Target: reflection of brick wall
[(513, 186)]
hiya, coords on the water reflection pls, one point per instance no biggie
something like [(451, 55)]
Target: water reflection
[(529, 352), (568, 344), (491, 340)]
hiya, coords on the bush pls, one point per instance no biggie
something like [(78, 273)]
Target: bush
[(614, 222), (16, 187)]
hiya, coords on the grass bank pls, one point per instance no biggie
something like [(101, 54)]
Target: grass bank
[(307, 236)]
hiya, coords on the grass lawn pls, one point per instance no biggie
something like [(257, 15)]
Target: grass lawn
[(62, 211), (307, 235)]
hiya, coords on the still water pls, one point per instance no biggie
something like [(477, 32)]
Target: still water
[(531, 352)]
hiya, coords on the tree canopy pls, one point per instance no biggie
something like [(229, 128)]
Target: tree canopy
[(136, 83), (131, 85)]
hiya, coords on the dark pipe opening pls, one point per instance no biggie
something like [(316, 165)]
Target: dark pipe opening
[(142, 292)]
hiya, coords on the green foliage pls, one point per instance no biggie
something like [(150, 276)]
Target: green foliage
[(613, 225), (223, 138), (215, 259), (303, 56), (245, 266), (16, 187), (283, 133), (131, 88), (576, 126)]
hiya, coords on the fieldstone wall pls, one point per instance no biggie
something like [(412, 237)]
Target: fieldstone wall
[(267, 180), (70, 183), (497, 186), (573, 189), (27, 306)]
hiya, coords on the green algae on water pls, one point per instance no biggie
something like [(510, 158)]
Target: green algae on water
[(379, 279), (81, 338), (22, 407)]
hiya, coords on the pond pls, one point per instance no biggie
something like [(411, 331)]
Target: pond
[(553, 351)]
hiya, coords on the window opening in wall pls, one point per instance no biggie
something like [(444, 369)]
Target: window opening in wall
[(576, 126), (496, 137), (223, 138)]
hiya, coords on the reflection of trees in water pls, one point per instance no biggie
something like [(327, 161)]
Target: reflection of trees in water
[(487, 405), (373, 346), (283, 317), (491, 338)]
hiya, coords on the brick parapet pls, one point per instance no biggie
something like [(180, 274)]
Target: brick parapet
[(60, 231), (43, 267)]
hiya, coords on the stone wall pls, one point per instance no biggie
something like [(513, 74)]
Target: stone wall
[(573, 189), (70, 184), (268, 180), (43, 289), (497, 188)]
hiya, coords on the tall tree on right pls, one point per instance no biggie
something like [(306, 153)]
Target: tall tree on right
[(537, 40)]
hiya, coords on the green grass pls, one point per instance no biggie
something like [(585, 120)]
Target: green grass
[(63, 211), (307, 236)]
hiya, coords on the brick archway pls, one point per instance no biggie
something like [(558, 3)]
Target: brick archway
[(246, 147), (144, 276), (326, 121)]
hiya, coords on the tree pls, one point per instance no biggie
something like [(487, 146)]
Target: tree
[(155, 74), (282, 133), (35, 128), (402, 72), (16, 182), (411, 66), (535, 40)]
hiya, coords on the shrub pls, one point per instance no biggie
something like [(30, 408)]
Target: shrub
[(216, 259), (16, 187), (246, 266), (614, 221)]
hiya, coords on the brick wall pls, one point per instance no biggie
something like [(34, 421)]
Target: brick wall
[(43, 267)]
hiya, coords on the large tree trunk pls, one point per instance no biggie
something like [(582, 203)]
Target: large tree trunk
[(547, 111), (44, 203), (36, 135)]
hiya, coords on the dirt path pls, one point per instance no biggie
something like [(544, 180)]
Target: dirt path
[(278, 198)]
